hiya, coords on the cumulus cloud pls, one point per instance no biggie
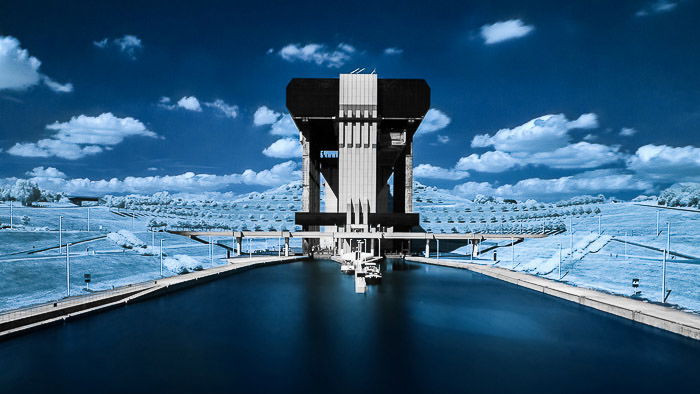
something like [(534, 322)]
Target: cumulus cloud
[(393, 51), (280, 124), (48, 172), (318, 53), (187, 182), (505, 30), (590, 182), (579, 155), (82, 136), (443, 139), (264, 116), (434, 120), (435, 172), (283, 148), (544, 133), (189, 103), (627, 132), (657, 7), (494, 161), (666, 164), (229, 111), (128, 44), (20, 71)]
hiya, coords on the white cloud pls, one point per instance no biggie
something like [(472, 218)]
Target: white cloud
[(434, 120), (283, 148), (229, 111), (443, 139), (393, 51), (578, 155), (20, 71), (128, 44), (435, 172), (190, 103), (264, 115), (284, 126), (48, 172), (590, 137), (544, 133), (318, 54), (57, 87), (494, 161), (657, 7), (187, 182), (101, 43), (667, 163), (599, 181), (627, 132), (82, 136), (505, 30)]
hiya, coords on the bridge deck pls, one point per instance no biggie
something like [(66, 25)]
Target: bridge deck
[(355, 235)]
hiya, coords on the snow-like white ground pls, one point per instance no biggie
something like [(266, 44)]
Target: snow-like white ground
[(600, 261)]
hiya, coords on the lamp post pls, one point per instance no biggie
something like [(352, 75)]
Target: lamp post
[(161, 258), (60, 233), (663, 265), (68, 268)]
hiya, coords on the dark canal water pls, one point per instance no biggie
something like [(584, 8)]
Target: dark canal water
[(300, 328)]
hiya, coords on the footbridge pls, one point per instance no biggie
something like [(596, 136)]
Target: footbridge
[(369, 237)]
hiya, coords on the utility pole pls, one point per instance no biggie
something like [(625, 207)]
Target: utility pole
[(663, 266), (161, 258), (68, 268)]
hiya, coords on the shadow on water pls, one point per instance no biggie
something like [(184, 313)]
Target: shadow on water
[(301, 328)]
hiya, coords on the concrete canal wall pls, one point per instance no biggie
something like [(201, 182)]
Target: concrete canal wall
[(655, 315), (26, 319)]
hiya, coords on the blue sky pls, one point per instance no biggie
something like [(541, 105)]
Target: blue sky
[(539, 99)]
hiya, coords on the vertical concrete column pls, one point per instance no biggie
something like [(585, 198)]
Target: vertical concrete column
[(408, 182), (427, 248), (400, 184), (286, 246), (239, 244), (372, 247)]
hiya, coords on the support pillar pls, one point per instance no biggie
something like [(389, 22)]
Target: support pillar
[(286, 246), (427, 248), (239, 244)]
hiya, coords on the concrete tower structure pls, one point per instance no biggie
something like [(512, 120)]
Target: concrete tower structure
[(356, 132)]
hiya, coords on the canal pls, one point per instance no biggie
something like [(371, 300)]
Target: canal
[(300, 328)]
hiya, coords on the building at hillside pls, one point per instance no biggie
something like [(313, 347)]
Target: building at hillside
[(356, 132)]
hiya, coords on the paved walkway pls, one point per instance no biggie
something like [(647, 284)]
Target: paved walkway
[(20, 320), (655, 315)]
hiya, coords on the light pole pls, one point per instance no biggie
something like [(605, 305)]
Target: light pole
[(60, 233), (663, 266), (68, 268), (560, 261), (161, 258)]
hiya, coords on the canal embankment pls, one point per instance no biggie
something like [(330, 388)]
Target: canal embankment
[(26, 319), (640, 311)]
